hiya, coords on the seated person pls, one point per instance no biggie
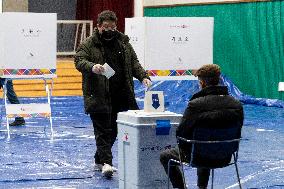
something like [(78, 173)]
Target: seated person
[(13, 99), (201, 110)]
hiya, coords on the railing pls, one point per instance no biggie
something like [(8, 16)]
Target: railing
[(84, 28)]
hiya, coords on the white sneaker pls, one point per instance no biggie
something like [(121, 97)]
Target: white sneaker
[(107, 170), (99, 167)]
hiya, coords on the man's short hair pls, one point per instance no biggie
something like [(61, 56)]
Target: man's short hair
[(209, 73), (106, 15)]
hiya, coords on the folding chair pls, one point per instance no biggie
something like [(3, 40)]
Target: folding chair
[(211, 149)]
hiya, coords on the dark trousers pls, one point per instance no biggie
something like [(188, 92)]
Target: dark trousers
[(175, 173), (105, 130), (11, 95)]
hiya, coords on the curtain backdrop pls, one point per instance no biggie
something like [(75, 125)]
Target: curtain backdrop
[(89, 10), (248, 42)]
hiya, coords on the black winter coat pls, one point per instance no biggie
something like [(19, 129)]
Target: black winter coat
[(212, 107), (96, 87)]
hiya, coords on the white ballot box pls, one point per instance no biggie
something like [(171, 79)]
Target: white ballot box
[(142, 136)]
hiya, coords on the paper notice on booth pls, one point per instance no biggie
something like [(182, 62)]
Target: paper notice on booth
[(108, 71)]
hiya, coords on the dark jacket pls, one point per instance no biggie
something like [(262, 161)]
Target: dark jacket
[(96, 87), (212, 107)]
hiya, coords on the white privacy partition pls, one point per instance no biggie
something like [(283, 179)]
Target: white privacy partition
[(171, 46), (28, 51), (28, 45)]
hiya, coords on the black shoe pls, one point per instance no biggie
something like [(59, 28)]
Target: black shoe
[(18, 123)]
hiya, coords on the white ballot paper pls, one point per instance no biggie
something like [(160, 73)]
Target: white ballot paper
[(108, 71)]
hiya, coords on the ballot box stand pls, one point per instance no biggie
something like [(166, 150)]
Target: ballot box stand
[(142, 136), (29, 110)]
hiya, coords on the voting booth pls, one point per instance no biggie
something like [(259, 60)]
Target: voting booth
[(171, 46), (28, 51), (142, 136)]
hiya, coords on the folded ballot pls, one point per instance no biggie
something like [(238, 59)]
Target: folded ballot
[(108, 72)]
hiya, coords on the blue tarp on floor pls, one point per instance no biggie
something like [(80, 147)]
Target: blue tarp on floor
[(31, 160)]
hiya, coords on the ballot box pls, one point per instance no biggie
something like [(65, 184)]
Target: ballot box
[(142, 136)]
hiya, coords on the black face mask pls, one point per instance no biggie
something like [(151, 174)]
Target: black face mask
[(109, 35)]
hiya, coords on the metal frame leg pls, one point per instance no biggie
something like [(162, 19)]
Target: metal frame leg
[(5, 104), (48, 100), (169, 164), (212, 179), (181, 164), (237, 171)]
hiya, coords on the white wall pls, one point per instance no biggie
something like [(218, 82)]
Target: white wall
[(138, 8), (0, 6)]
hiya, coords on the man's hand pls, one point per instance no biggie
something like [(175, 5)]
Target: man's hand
[(98, 69), (146, 82)]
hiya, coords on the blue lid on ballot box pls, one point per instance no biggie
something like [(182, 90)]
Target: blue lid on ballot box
[(163, 127)]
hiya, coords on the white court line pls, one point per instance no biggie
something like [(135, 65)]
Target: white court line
[(251, 176)]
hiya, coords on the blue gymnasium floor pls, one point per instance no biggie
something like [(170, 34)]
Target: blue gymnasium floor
[(31, 160)]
